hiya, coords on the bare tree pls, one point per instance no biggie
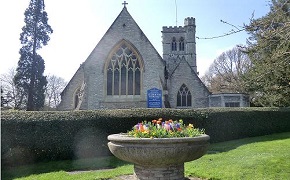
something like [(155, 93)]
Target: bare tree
[(54, 87), (17, 100), (13, 98), (226, 72)]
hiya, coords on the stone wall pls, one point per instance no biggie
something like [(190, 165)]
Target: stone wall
[(123, 105)]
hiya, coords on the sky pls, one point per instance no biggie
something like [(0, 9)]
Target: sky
[(78, 26)]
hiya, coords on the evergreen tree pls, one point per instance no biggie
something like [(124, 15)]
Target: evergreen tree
[(269, 50), (29, 79)]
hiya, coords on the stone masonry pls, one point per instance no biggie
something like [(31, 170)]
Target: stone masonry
[(159, 173)]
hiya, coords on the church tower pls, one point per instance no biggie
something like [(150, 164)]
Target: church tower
[(179, 43), (184, 88)]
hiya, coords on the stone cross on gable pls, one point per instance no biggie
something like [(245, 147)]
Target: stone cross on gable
[(124, 3)]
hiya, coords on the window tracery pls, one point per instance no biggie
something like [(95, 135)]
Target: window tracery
[(124, 71), (183, 97)]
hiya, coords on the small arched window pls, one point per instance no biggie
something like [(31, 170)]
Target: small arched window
[(183, 97), (124, 71), (181, 44), (173, 44), (76, 98)]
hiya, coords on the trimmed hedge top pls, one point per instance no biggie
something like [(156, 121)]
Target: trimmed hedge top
[(141, 113)]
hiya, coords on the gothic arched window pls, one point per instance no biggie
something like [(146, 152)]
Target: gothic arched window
[(183, 97), (181, 44), (173, 44), (124, 69)]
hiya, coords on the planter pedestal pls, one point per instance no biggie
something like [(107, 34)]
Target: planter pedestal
[(173, 172), (158, 158)]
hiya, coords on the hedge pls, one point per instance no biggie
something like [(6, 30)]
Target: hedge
[(28, 137)]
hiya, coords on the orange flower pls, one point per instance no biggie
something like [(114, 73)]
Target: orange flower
[(141, 127), (154, 121), (170, 120), (160, 119)]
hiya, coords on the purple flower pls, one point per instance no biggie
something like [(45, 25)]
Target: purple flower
[(171, 126), (136, 126)]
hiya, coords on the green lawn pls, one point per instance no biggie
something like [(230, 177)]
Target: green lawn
[(265, 157)]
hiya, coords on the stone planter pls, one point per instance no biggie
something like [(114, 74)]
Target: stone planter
[(158, 158)]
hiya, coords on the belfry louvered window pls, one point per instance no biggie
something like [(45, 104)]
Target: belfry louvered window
[(181, 44), (173, 44), (183, 97), (124, 71)]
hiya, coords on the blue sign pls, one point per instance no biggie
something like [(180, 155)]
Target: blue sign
[(154, 98)]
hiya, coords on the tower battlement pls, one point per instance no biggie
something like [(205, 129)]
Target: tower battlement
[(173, 29), (189, 21)]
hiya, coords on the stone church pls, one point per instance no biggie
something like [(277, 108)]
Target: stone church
[(124, 66)]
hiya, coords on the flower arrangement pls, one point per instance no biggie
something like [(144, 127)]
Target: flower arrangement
[(164, 129)]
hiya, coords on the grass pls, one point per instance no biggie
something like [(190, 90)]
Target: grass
[(264, 157)]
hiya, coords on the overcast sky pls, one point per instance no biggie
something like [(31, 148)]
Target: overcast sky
[(78, 26)]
